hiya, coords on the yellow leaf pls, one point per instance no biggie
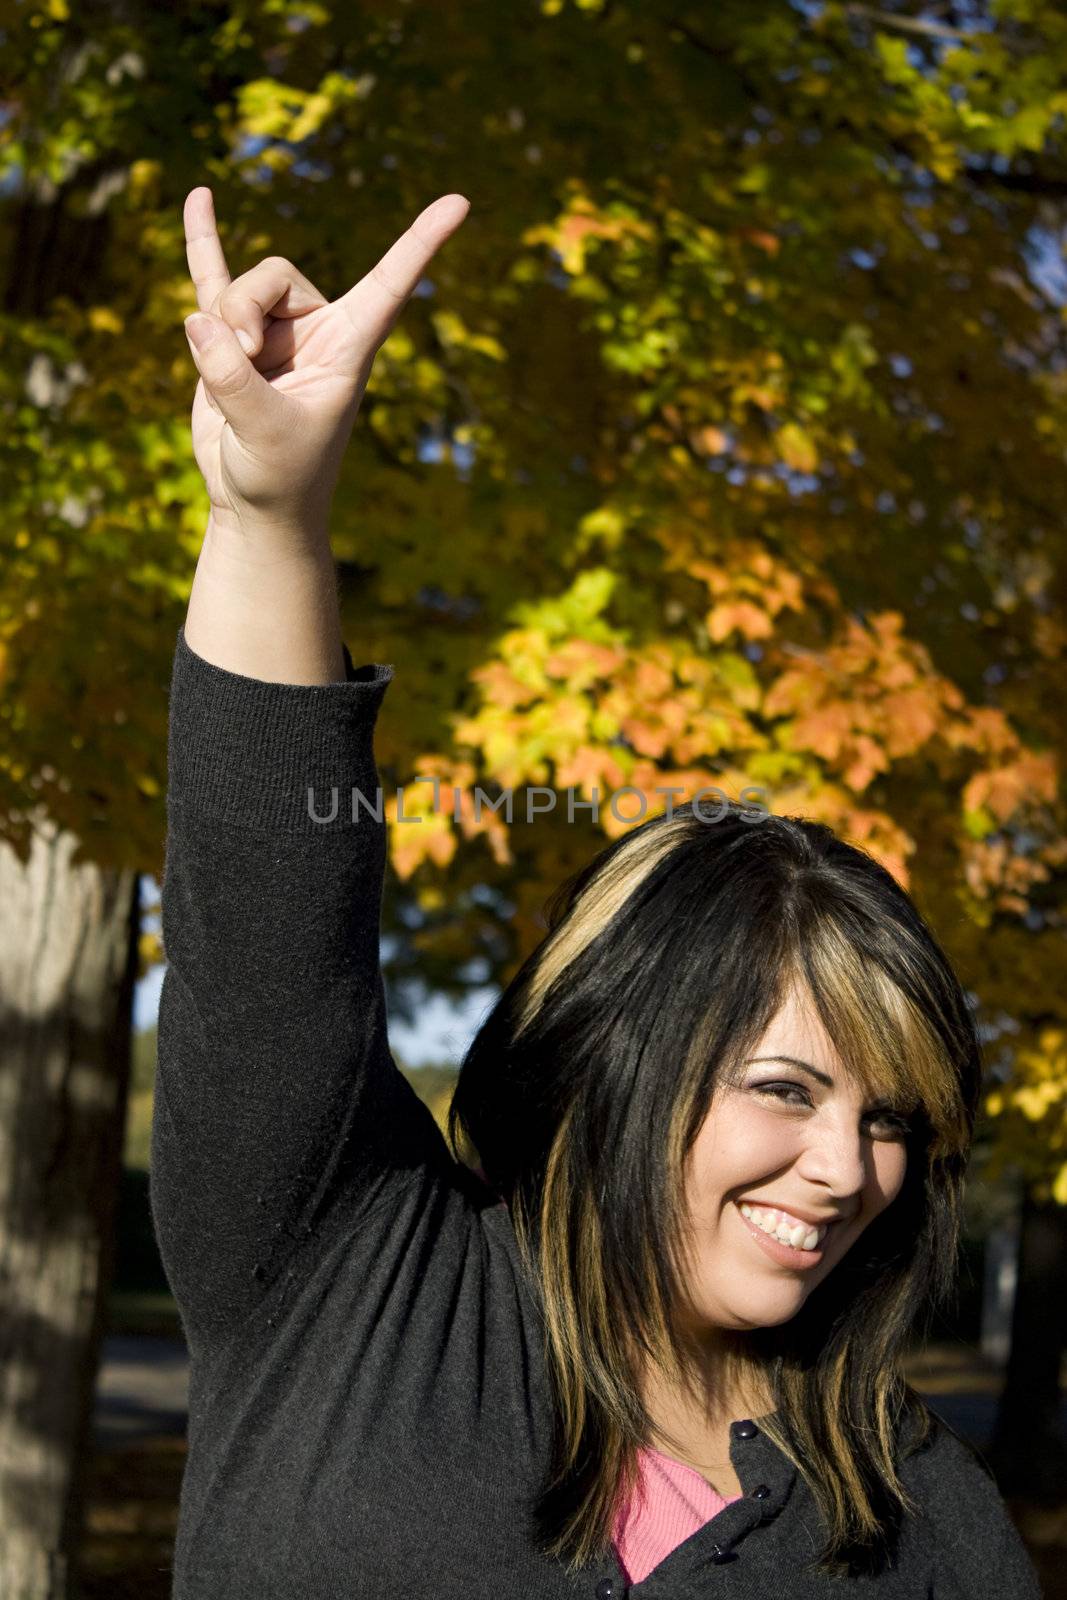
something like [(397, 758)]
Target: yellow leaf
[(797, 448), (103, 320), (149, 953)]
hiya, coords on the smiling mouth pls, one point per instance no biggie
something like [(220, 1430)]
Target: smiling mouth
[(776, 1232), (788, 1230)]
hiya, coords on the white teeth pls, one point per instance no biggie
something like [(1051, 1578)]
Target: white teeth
[(799, 1235)]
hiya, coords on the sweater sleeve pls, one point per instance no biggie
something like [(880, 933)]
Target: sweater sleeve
[(977, 1551), (279, 1112)]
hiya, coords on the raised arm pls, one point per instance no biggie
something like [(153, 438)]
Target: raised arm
[(280, 1117), (282, 375)]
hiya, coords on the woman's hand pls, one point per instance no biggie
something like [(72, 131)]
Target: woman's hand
[(270, 426)]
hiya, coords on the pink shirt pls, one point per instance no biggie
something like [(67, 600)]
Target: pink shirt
[(670, 1503)]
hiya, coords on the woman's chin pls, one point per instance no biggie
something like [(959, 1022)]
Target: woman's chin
[(741, 1319)]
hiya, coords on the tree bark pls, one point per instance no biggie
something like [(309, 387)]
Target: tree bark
[(68, 963), (1028, 1451)]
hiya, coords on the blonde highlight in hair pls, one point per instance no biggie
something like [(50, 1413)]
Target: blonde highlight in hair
[(582, 1095)]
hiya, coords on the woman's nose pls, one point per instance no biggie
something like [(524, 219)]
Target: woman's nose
[(836, 1155)]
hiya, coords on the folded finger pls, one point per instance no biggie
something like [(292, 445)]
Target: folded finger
[(274, 288)]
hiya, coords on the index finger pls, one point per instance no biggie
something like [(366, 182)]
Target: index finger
[(203, 248)]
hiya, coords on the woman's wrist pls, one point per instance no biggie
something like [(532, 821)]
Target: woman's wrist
[(262, 540), (264, 603)]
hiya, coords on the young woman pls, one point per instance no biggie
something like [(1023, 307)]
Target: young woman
[(639, 1325)]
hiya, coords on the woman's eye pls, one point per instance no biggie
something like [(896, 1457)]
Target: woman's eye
[(896, 1125), (893, 1123), (782, 1091)]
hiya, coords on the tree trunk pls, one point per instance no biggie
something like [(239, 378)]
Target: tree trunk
[(68, 964), (1028, 1451)]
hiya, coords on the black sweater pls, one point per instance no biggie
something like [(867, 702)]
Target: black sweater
[(368, 1408)]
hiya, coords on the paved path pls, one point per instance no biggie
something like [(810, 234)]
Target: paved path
[(142, 1388)]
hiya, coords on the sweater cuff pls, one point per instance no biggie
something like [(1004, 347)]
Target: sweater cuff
[(246, 751)]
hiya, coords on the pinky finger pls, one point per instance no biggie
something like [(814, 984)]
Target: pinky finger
[(376, 301)]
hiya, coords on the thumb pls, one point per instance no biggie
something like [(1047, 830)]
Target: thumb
[(242, 394)]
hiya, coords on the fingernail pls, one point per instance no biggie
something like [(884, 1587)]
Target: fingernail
[(246, 341), (200, 331)]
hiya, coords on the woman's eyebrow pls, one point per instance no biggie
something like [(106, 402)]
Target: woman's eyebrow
[(805, 1066)]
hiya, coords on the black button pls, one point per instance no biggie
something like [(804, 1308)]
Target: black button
[(609, 1589), (760, 1492), (719, 1554), (744, 1430)]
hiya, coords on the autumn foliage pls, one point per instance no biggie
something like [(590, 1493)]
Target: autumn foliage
[(726, 447)]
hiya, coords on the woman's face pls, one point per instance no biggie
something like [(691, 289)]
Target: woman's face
[(784, 1140)]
